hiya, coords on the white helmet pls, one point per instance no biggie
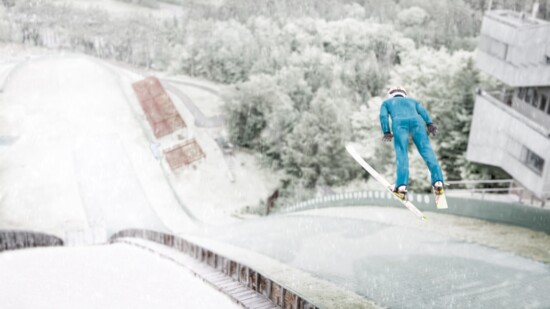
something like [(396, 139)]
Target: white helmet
[(396, 91)]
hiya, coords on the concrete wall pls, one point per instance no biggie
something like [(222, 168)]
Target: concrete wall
[(507, 213), (514, 50), (11, 240), (527, 38), (498, 137), (514, 76)]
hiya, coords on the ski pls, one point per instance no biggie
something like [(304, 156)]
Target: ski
[(383, 181)]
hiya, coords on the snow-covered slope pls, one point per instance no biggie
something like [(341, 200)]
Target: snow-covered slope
[(81, 159), (79, 156), (117, 276)]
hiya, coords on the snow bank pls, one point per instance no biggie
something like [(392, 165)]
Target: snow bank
[(118, 276)]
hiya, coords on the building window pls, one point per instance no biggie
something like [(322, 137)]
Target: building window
[(543, 102), (533, 161), (521, 93), (493, 47)]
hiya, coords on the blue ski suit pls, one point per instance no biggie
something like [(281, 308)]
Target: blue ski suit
[(409, 118)]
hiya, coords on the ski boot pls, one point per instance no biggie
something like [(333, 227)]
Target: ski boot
[(438, 188), (439, 193), (400, 192)]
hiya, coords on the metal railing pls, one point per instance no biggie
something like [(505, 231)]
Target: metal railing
[(513, 189), (472, 190), (498, 100), (379, 198), (460, 182)]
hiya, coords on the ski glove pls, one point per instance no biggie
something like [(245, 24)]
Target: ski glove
[(432, 129), (387, 137)]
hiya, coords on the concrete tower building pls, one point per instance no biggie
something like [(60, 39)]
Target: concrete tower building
[(511, 128)]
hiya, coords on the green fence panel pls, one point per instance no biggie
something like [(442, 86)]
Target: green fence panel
[(501, 212)]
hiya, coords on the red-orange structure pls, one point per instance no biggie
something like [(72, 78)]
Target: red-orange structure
[(158, 107), (184, 154)]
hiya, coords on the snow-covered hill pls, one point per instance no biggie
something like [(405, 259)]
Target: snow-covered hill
[(113, 276), (76, 154), (80, 159)]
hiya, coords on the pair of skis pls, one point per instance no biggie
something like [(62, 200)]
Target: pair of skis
[(440, 199)]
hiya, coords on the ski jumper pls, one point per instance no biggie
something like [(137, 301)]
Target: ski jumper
[(409, 118)]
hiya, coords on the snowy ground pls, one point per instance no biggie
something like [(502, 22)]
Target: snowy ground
[(5, 69), (514, 239), (390, 257), (76, 162), (81, 136), (226, 185), (75, 158), (217, 186), (110, 276), (319, 291), (81, 159), (210, 104)]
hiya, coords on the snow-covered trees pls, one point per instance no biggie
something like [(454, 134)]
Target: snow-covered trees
[(455, 122), (430, 76), (327, 79), (323, 71), (444, 82), (303, 76), (316, 152), (220, 51), (293, 130), (251, 106), (137, 40)]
